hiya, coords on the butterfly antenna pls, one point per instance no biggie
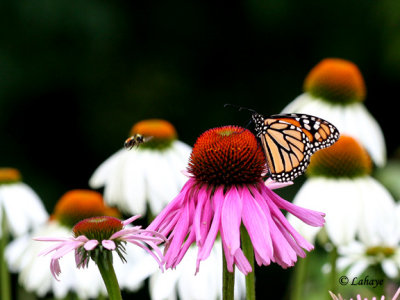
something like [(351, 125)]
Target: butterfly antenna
[(240, 108)]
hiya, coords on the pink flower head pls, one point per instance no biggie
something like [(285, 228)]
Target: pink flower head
[(95, 235), (225, 192)]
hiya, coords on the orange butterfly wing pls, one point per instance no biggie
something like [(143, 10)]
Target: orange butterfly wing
[(289, 140)]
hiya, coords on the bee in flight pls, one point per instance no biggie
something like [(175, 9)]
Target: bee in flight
[(136, 140)]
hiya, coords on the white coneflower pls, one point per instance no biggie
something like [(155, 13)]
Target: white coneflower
[(339, 183), (378, 245), (20, 206), (147, 175), (335, 90)]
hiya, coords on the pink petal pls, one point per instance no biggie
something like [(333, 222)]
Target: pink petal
[(256, 219), (241, 262), (172, 208), (110, 245), (158, 260), (227, 254), (90, 245), (202, 200), (273, 185), (130, 220), (55, 268), (218, 200), (179, 234), (308, 216), (65, 248), (277, 214), (231, 218)]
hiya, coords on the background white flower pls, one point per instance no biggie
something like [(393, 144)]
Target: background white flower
[(340, 185), (19, 204), (147, 175), (379, 244), (335, 91)]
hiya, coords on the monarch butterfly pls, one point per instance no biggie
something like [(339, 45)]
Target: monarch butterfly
[(289, 140), (136, 140)]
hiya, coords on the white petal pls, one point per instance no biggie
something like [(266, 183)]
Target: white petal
[(369, 133), (358, 268), (134, 183), (342, 215), (103, 172), (162, 285), (113, 190), (378, 222), (390, 268), (161, 188), (139, 266)]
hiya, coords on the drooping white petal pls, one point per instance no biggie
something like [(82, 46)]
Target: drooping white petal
[(161, 187), (113, 189), (100, 175), (134, 183), (390, 268), (378, 219)]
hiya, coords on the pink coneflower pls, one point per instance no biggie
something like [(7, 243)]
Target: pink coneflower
[(97, 234), (226, 191)]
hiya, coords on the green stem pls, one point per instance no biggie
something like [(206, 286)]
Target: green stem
[(108, 274), (248, 251), (299, 277), (4, 274), (333, 278), (228, 281)]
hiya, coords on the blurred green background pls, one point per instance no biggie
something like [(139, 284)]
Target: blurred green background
[(76, 75)]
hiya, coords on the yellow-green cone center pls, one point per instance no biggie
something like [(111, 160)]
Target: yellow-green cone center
[(380, 251)]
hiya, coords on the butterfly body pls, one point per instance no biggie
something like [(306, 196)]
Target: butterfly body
[(289, 140)]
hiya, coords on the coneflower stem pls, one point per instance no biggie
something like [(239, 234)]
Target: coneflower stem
[(299, 276), (248, 251), (108, 274), (332, 284), (228, 280), (4, 274)]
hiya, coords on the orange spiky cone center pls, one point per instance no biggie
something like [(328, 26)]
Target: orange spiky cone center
[(227, 155), (346, 158), (161, 132), (76, 205), (98, 228), (336, 80)]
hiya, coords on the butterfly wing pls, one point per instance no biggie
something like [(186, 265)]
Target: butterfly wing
[(320, 132), (289, 140)]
